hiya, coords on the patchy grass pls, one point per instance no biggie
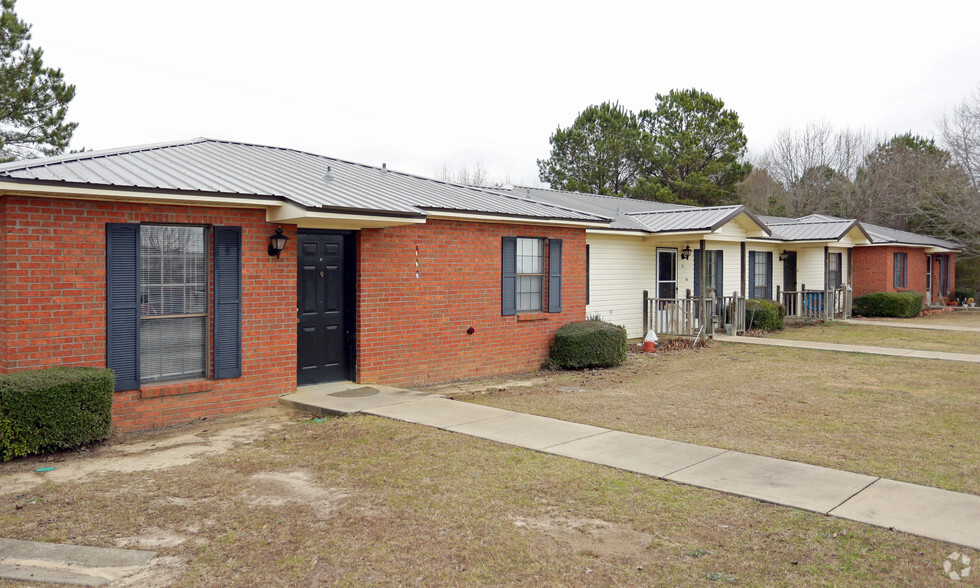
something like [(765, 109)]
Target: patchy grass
[(962, 318), (368, 501), (906, 419), (882, 336)]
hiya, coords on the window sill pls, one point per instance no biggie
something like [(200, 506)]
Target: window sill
[(532, 316), (175, 388)]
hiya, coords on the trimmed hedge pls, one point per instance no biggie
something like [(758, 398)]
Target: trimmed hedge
[(59, 408), (764, 315), (588, 344), (896, 304)]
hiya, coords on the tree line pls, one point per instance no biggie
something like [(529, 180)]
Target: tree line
[(690, 149)]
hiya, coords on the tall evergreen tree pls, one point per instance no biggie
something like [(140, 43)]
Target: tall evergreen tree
[(689, 150), (600, 153), (695, 151), (33, 98)]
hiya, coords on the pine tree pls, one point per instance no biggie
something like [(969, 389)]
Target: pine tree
[(33, 98)]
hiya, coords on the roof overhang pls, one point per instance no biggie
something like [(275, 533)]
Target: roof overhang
[(923, 246), (618, 233), (313, 219), (508, 219), (89, 192)]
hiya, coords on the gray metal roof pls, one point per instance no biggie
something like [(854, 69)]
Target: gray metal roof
[(813, 230), (708, 218), (823, 227), (879, 234), (209, 166), (615, 207)]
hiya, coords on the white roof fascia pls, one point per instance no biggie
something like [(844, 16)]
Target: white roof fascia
[(614, 232), (511, 220), (801, 242), (927, 248), (309, 219), (71, 192)]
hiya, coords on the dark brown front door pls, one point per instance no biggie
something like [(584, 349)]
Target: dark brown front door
[(789, 271), (325, 307)]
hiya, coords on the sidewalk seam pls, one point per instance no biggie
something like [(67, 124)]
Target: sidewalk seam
[(846, 500), (691, 465)]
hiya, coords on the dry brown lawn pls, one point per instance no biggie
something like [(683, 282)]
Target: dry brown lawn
[(963, 318), (905, 419), (277, 500), (882, 336)]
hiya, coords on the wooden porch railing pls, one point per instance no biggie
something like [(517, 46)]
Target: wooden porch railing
[(816, 304), (694, 315)]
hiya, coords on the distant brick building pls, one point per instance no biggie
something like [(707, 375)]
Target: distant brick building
[(899, 260)]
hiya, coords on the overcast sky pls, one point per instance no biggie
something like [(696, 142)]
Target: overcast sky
[(420, 84)]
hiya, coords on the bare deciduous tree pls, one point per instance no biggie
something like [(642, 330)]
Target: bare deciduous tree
[(960, 132), (815, 166), (761, 193), (475, 176)]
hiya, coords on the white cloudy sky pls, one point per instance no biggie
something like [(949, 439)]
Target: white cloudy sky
[(420, 84)]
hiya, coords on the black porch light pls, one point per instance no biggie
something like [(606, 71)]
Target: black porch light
[(784, 255), (277, 243), (686, 252)]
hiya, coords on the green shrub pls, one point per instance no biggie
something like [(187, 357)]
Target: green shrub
[(588, 344), (964, 294), (904, 304), (765, 315), (52, 409)]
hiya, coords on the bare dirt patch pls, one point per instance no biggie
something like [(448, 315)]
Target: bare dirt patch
[(162, 449), (589, 536), (279, 488)]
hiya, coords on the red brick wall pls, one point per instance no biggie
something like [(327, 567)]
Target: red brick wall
[(874, 269), (53, 307), (414, 330)]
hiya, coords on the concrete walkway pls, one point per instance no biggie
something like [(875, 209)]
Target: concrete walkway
[(944, 355), (919, 510), (914, 326), (60, 563)]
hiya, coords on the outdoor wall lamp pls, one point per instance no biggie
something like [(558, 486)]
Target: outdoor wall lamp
[(277, 243), (686, 252), (783, 255)]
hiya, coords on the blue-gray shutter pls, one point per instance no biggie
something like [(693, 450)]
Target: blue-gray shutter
[(123, 304), (751, 293), (227, 302), (839, 257), (697, 272), (508, 272), (554, 275), (769, 293), (719, 273)]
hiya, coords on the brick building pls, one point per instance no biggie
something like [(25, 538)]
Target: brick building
[(157, 261), (898, 260)]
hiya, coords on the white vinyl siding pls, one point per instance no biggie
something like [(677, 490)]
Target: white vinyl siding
[(621, 268), (810, 268)]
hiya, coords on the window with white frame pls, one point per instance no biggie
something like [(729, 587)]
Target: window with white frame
[(530, 274), (173, 290)]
